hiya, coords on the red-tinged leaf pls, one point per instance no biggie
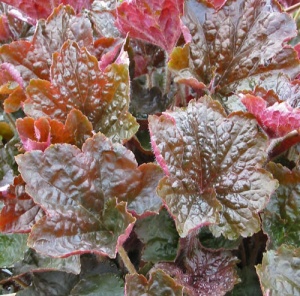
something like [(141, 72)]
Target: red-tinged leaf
[(40, 133), (217, 4), (228, 50), (276, 120), (77, 82), (279, 271), (33, 59), (213, 167), (77, 190), (156, 22), (108, 50), (15, 100), (281, 217), (201, 272), (11, 28), (5, 33), (42, 9), (19, 213), (159, 284), (34, 134)]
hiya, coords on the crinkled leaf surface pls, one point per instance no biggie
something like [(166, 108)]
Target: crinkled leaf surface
[(281, 217), (159, 284), (77, 190), (77, 82), (241, 41), (35, 262), (157, 22), (33, 58), (19, 213), (202, 273), (13, 247), (99, 285), (276, 120), (40, 133), (56, 283), (160, 237), (213, 166), (36, 9), (279, 271)]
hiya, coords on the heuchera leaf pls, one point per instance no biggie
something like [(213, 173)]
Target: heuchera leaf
[(13, 247), (77, 190), (281, 217), (241, 41), (200, 272), (40, 133), (50, 283), (160, 237), (213, 167), (209, 241), (77, 82), (100, 285), (19, 213), (35, 262), (217, 3), (159, 284), (36, 9), (276, 120), (279, 271), (33, 58), (156, 22)]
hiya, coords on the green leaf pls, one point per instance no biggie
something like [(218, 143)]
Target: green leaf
[(35, 262), (99, 285), (213, 167), (13, 247), (241, 41), (279, 271), (55, 283), (78, 191), (249, 284), (77, 82), (281, 218), (160, 237), (209, 241), (159, 284)]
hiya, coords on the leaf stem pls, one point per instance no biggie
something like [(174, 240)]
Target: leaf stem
[(126, 260), (292, 8)]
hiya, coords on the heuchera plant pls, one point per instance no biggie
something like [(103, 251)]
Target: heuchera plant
[(149, 147)]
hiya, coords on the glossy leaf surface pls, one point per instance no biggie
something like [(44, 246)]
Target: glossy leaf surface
[(202, 273), (35, 9), (281, 218), (276, 120), (160, 237), (157, 22), (213, 167), (13, 247), (33, 58), (19, 213), (159, 284), (240, 42), (77, 82), (81, 189), (279, 271)]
